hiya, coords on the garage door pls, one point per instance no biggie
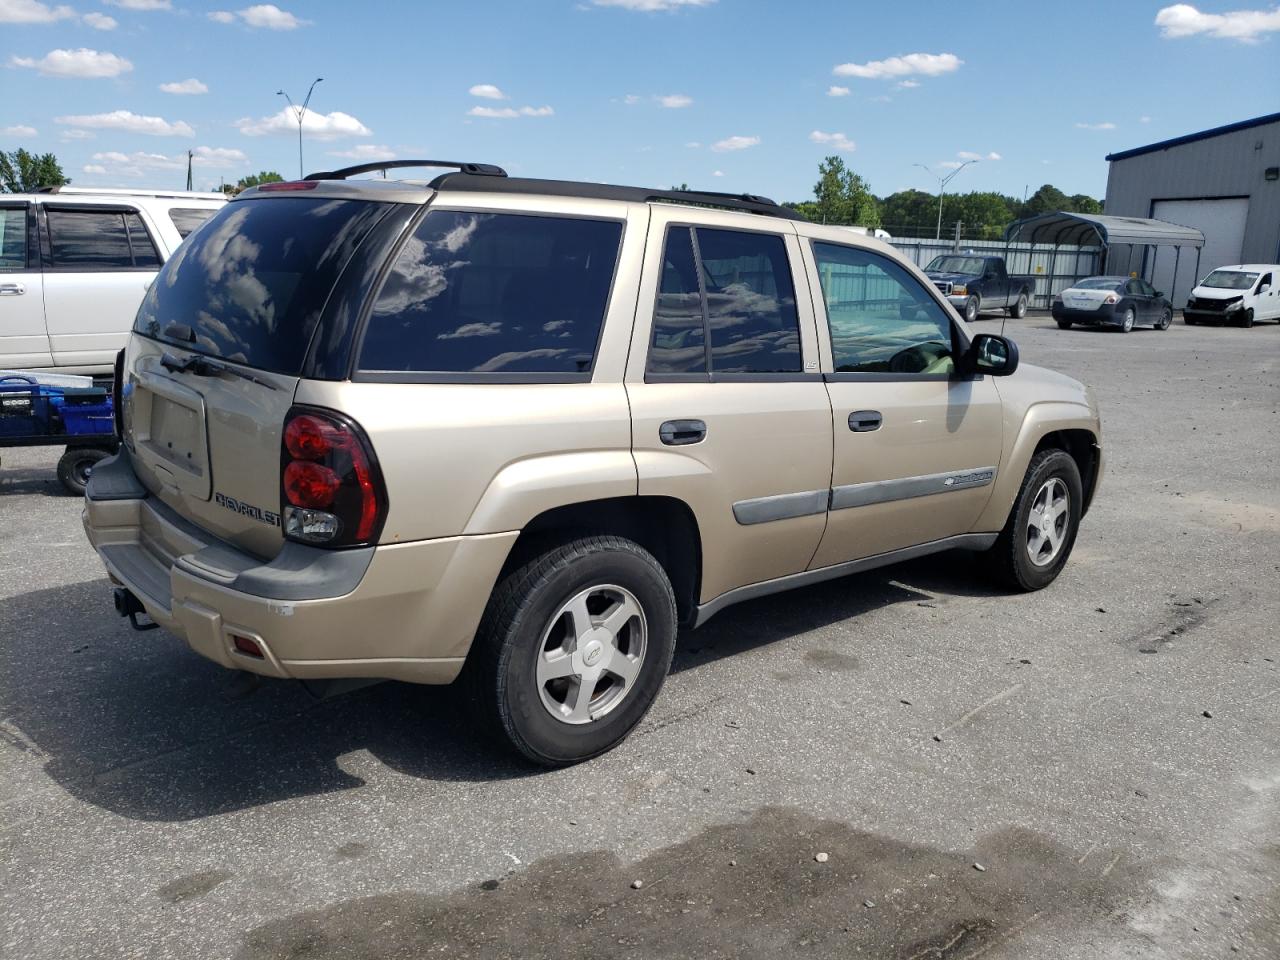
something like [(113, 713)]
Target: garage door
[(1222, 223)]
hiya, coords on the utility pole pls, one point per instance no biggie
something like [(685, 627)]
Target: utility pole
[(190, 154), (942, 188), (959, 224), (300, 112)]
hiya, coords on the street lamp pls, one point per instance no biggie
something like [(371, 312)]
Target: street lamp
[(942, 188), (300, 112)]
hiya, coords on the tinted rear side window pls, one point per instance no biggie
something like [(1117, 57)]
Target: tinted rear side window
[(13, 238), (479, 293), (679, 343), (187, 219), (88, 240), (250, 286)]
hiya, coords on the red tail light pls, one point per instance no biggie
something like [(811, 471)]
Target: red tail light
[(331, 489), (288, 186)]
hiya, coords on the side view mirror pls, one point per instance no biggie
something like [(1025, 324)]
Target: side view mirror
[(1159, 293), (991, 354), (1263, 289)]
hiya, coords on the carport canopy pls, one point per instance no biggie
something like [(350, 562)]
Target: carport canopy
[(1085, 229)]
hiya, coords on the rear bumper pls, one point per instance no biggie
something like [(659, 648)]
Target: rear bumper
[(400, 611), (1104, 316)]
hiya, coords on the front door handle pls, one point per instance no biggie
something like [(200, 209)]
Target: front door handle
[(12, 289), (678, 433), (864, 421)]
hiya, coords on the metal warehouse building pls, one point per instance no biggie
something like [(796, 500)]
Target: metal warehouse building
[(1225, 182)]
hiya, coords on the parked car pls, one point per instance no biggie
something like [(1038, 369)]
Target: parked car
[(1120, 302), (1237, 294), (75, 264), (974, 283), (519, 431)]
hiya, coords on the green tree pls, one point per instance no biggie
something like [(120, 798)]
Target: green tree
[(909, 212), (842, 197), (252, 180), (1083, 203), (23, 172), (984, 214), (1045, 200)]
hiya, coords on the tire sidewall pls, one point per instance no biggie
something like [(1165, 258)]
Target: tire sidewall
[(1166, 320), (539, 735), (1126, 324), (1020, 308), (1057, 464), (971, 308)]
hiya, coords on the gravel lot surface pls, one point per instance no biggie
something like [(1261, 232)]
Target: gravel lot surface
[(1092, 771)]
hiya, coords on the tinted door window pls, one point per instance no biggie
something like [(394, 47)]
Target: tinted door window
[(89, 240), (1133, 288), (13, 238), (495, 293), (1266, 279), (140, 243), (751, 303), (187, 219), (732, 288), (679, 341), (882, 320)]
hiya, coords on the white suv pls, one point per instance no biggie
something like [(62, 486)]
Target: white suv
[(75, 264)]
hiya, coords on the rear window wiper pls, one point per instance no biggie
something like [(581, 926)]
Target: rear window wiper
[(203, 366)]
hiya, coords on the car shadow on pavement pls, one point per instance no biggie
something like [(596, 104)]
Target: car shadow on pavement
[(39, 480), (137, 724)]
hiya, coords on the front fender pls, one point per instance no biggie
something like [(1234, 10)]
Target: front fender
[(526, 488), (1021, 439)]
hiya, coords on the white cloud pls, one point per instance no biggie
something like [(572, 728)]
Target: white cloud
[(1105, 125), (1246, 26), (632, 98), (908, 84), (184, 88), (734, 143), (128, 122), (970, 155), (318, 126), (1144, 119), (140, 163), (487, 91), (509, 113), (837, 140), (70, 136), (674, 101), (265, 16), (717, 173), (834, 91), (365, 151), (100, 21), (913, 64), (83, 63), (32, 11), (20, 130), (141, 4), (652, 6), (693, 144)]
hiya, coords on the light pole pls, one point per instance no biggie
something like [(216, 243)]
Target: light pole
[(942, 188), (301, 112)]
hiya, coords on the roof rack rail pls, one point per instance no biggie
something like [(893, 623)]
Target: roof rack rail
[(742, 202), (475, 169), (160, 193)]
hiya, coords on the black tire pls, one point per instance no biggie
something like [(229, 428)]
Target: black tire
[(501, 667), (1008, 560), (1166, 320), (1246, 319), (1130, 317), (1019, 309), (971, 308), (1064, 324), (76, 465)]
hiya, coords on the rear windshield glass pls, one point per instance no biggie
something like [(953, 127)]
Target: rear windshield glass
[(1230, 280), (1098, 283), (250, 285), (494, 293)]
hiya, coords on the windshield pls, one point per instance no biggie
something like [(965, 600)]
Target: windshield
[(1229, 280), (249, 285), (1098, 283), (968, 265)]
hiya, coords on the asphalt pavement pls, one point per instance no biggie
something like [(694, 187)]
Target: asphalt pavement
[(900, 764)]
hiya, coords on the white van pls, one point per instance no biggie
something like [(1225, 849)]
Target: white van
[(74, 265), (1237, 295)]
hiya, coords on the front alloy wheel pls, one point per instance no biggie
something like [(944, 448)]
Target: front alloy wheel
[(1048, 521), (1166, 320), (971, 310), (1126, 324)]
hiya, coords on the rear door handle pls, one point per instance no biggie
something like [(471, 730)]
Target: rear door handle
[(12, 289), (864, 421), (678, 433)]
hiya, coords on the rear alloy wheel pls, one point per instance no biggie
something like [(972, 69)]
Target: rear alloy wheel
[(971, 310), (1019, 309), (1126, 324), (76, 466), (1246, 319), (1166, 320), (1041, 530), (573, 648)]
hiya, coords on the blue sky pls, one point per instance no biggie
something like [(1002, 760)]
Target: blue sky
[(738, 95)]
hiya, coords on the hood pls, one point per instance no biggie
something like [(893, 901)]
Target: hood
[(1218, 293), (1050, 385)]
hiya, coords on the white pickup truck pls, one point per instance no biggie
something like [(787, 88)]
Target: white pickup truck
[(75, 264)]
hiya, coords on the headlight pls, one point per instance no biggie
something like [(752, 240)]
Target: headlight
[(959, 290), (1234, 306)]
